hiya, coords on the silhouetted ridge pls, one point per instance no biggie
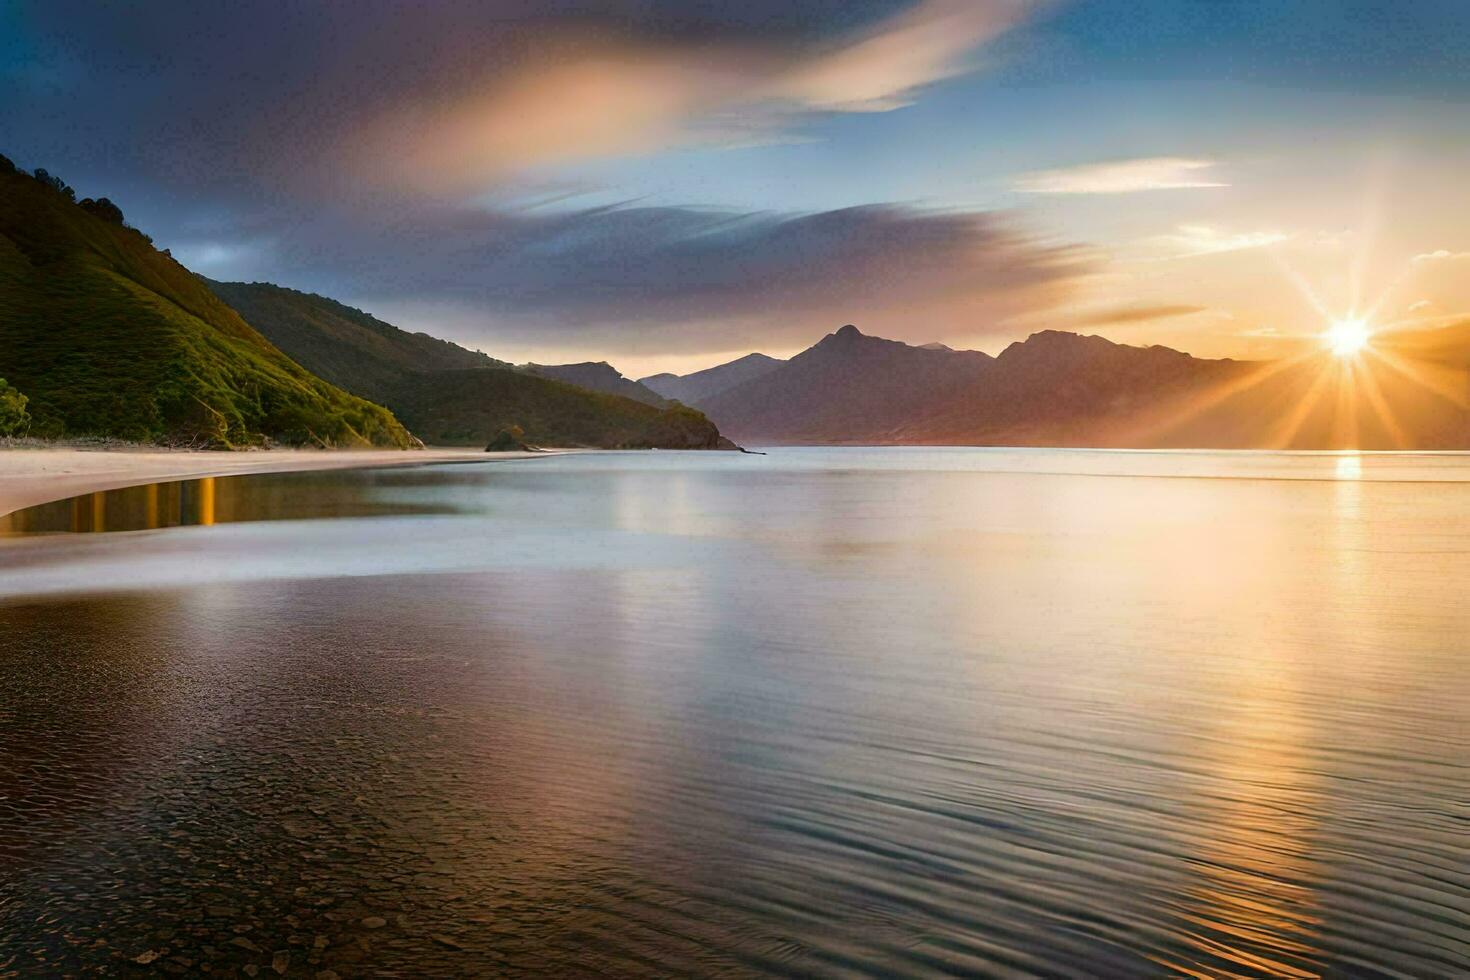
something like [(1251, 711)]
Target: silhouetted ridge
[(1057, 388)]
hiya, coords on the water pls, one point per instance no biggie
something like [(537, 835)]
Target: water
[(832, 712)]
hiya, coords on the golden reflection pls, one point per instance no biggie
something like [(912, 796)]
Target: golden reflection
[(150, 506), (1248, 905), (206, 500), (99, 511)]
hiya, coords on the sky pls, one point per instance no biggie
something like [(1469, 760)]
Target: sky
[(666, 184)]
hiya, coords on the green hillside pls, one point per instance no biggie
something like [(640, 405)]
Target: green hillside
[(451, 396), (467, 408), (107, 336), (340, 343)]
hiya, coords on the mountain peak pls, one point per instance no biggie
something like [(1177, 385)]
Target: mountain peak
[(848, 332)]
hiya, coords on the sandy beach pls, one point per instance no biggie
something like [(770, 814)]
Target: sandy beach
[(30, 476)]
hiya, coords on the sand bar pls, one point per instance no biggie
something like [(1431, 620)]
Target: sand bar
[(30, 476)]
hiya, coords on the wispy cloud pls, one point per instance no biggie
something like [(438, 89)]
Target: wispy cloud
[(688, 280), (1137, 314), (1122, 177), (456, 96), (578, 97), (1192, 240), (1441, 255)]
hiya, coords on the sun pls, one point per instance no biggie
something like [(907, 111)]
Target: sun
[(1347, 336)]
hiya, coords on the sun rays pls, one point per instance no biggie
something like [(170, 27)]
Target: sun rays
[(1357, 386)]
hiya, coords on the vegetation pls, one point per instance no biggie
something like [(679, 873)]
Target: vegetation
[(110, 337), (462, 408), (346, 346), (452, 396), (508, 440), (14, 419)]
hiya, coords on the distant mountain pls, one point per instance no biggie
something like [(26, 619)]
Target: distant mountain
[(108, 336), (451, 396), (1411, 391), (692, 389), (598, 376), (1057, 388), (849, 387)]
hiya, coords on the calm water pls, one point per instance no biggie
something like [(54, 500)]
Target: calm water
[(824, 712)]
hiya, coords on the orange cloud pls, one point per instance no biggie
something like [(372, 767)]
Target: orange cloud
[(576, 97)]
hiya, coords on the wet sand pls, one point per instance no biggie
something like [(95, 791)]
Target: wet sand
[(31, 476)]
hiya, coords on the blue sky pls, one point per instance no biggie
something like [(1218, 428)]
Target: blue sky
[(662, 184)]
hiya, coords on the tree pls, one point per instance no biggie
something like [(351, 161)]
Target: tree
[(102, 208), (55, 183), (14, 419)]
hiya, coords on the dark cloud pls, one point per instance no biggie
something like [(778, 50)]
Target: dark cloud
[(445, 97)]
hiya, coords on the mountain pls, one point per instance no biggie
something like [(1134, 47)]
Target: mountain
[(107, 336), (341, 343), (692, 389), (451, 396), (849, 387), (1058, 388), (1411, 390), (469, 407), (598, 376)]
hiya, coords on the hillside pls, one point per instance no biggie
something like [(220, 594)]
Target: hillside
[(692, 389), (107, 336), (345, 345), (467, 408), (451, 396), (598, 376)]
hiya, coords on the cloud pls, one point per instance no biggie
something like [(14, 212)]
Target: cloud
[(1441, 255), (881, 68), (578, 96), (1121, 177), (1193, 240), (451, 97), (685, 279), (1138, 314)]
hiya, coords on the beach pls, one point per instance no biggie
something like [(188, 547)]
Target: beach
[(30, 476)]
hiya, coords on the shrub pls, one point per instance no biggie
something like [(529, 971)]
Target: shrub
[(14, 419), (102, 208), (55, 183)]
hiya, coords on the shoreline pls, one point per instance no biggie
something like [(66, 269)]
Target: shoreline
[(31, 476)]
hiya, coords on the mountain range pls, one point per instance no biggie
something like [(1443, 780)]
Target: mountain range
[(1409, 391)]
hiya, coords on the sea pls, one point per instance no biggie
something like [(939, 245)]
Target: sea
[(822, 712)]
